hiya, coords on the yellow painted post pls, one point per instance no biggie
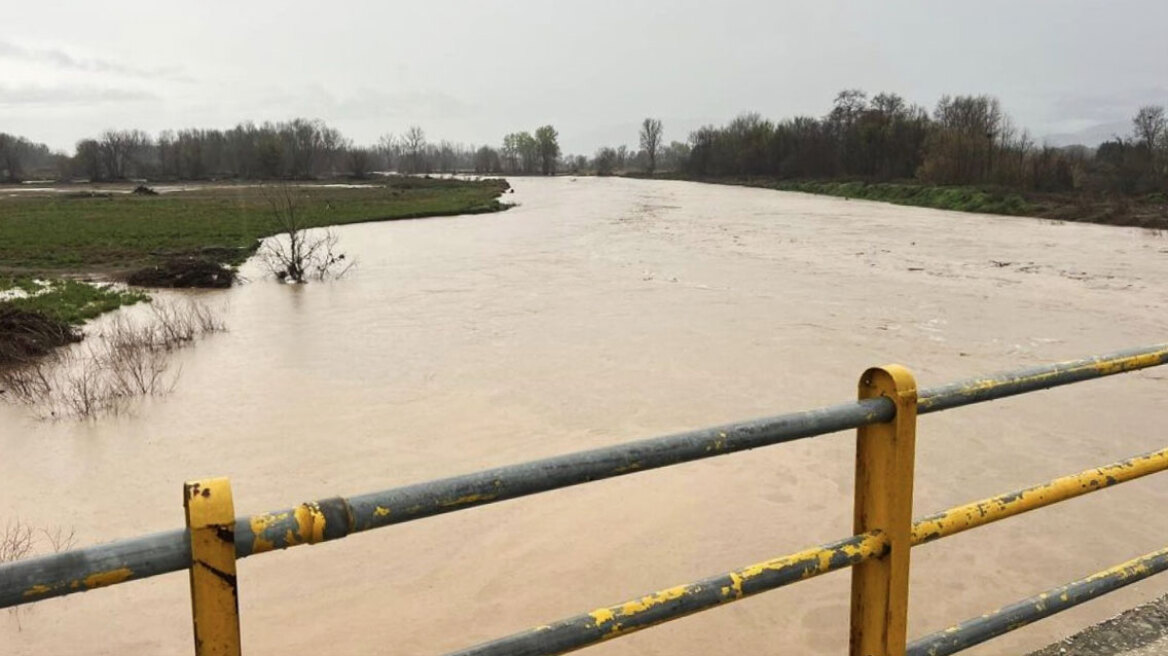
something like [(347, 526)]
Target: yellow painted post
[(214, 601), (884, 489)]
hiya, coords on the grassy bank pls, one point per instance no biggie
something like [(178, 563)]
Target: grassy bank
[(1149, 211), (960, 199), (37, 316), (112, 234), (67, 301)]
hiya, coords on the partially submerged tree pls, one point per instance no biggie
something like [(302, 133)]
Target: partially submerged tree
[(296, 254)]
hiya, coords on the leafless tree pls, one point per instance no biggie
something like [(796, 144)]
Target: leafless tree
[(120, 149), (295, 254), (1149, 124), (413, 144), (360, 162), (651, 141), (390, 149)]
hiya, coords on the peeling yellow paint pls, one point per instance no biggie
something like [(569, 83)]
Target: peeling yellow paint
[(601, 616), (101, 579), (36, 591), (466, 499), (735, 585), (310, 523), (629, 609), (985, 511), (381, 511), (259, 524)]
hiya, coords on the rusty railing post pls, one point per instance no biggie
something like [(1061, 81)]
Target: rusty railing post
[(884, 490), (214, 602)]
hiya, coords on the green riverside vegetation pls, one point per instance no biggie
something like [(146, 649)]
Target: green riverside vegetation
[(68, 301), (961, 199)]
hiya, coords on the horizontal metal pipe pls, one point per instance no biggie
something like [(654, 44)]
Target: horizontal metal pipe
[(1017, 615), (79, 570), (672, 603), (328, 519), (985, 511), (1033, 379)]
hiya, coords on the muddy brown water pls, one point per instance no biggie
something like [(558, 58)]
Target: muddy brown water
[(600, 311)]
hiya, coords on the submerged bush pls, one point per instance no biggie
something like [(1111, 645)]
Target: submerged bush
[(125, 361)]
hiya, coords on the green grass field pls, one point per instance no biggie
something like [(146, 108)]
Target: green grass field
[(68, 301), (55, 234), (961, 199)]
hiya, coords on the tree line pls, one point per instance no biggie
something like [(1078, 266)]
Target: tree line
[(965, 140), (296, 149)]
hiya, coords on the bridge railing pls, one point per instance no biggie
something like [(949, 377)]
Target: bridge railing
[(879, 551)]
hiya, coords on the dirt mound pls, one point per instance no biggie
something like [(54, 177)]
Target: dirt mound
[(25, 335), (184, 272)]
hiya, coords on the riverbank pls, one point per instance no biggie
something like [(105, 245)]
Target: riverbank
[(55, 238), (1149, 211)]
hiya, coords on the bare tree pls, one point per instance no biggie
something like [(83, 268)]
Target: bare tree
[(295, 254), (651, 141), (390, 150), (605, 161), (414, 146), (120, 151), (12, 150), (360, 162), (1149, 123)]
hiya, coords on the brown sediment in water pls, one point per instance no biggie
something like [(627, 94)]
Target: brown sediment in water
[(594, 313)]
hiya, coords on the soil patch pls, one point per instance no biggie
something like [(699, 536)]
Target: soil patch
[(25, 335), (184, 272)]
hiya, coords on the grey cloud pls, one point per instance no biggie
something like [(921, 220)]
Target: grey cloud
[(370, 103), (23, 96), (1107, 106), (63, 60)]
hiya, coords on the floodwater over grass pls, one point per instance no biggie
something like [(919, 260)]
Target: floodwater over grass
[(599, 311)]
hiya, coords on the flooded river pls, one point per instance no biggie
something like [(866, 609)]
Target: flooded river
[(599, 311)]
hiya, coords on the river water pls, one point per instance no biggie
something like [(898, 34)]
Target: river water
[(599, 311)]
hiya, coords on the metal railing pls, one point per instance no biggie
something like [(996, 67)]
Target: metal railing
[(885, 416)]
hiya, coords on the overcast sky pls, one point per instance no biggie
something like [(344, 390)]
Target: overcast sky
[(473, 71)]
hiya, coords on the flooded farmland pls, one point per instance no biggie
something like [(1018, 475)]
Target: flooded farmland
[(599, 311)]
